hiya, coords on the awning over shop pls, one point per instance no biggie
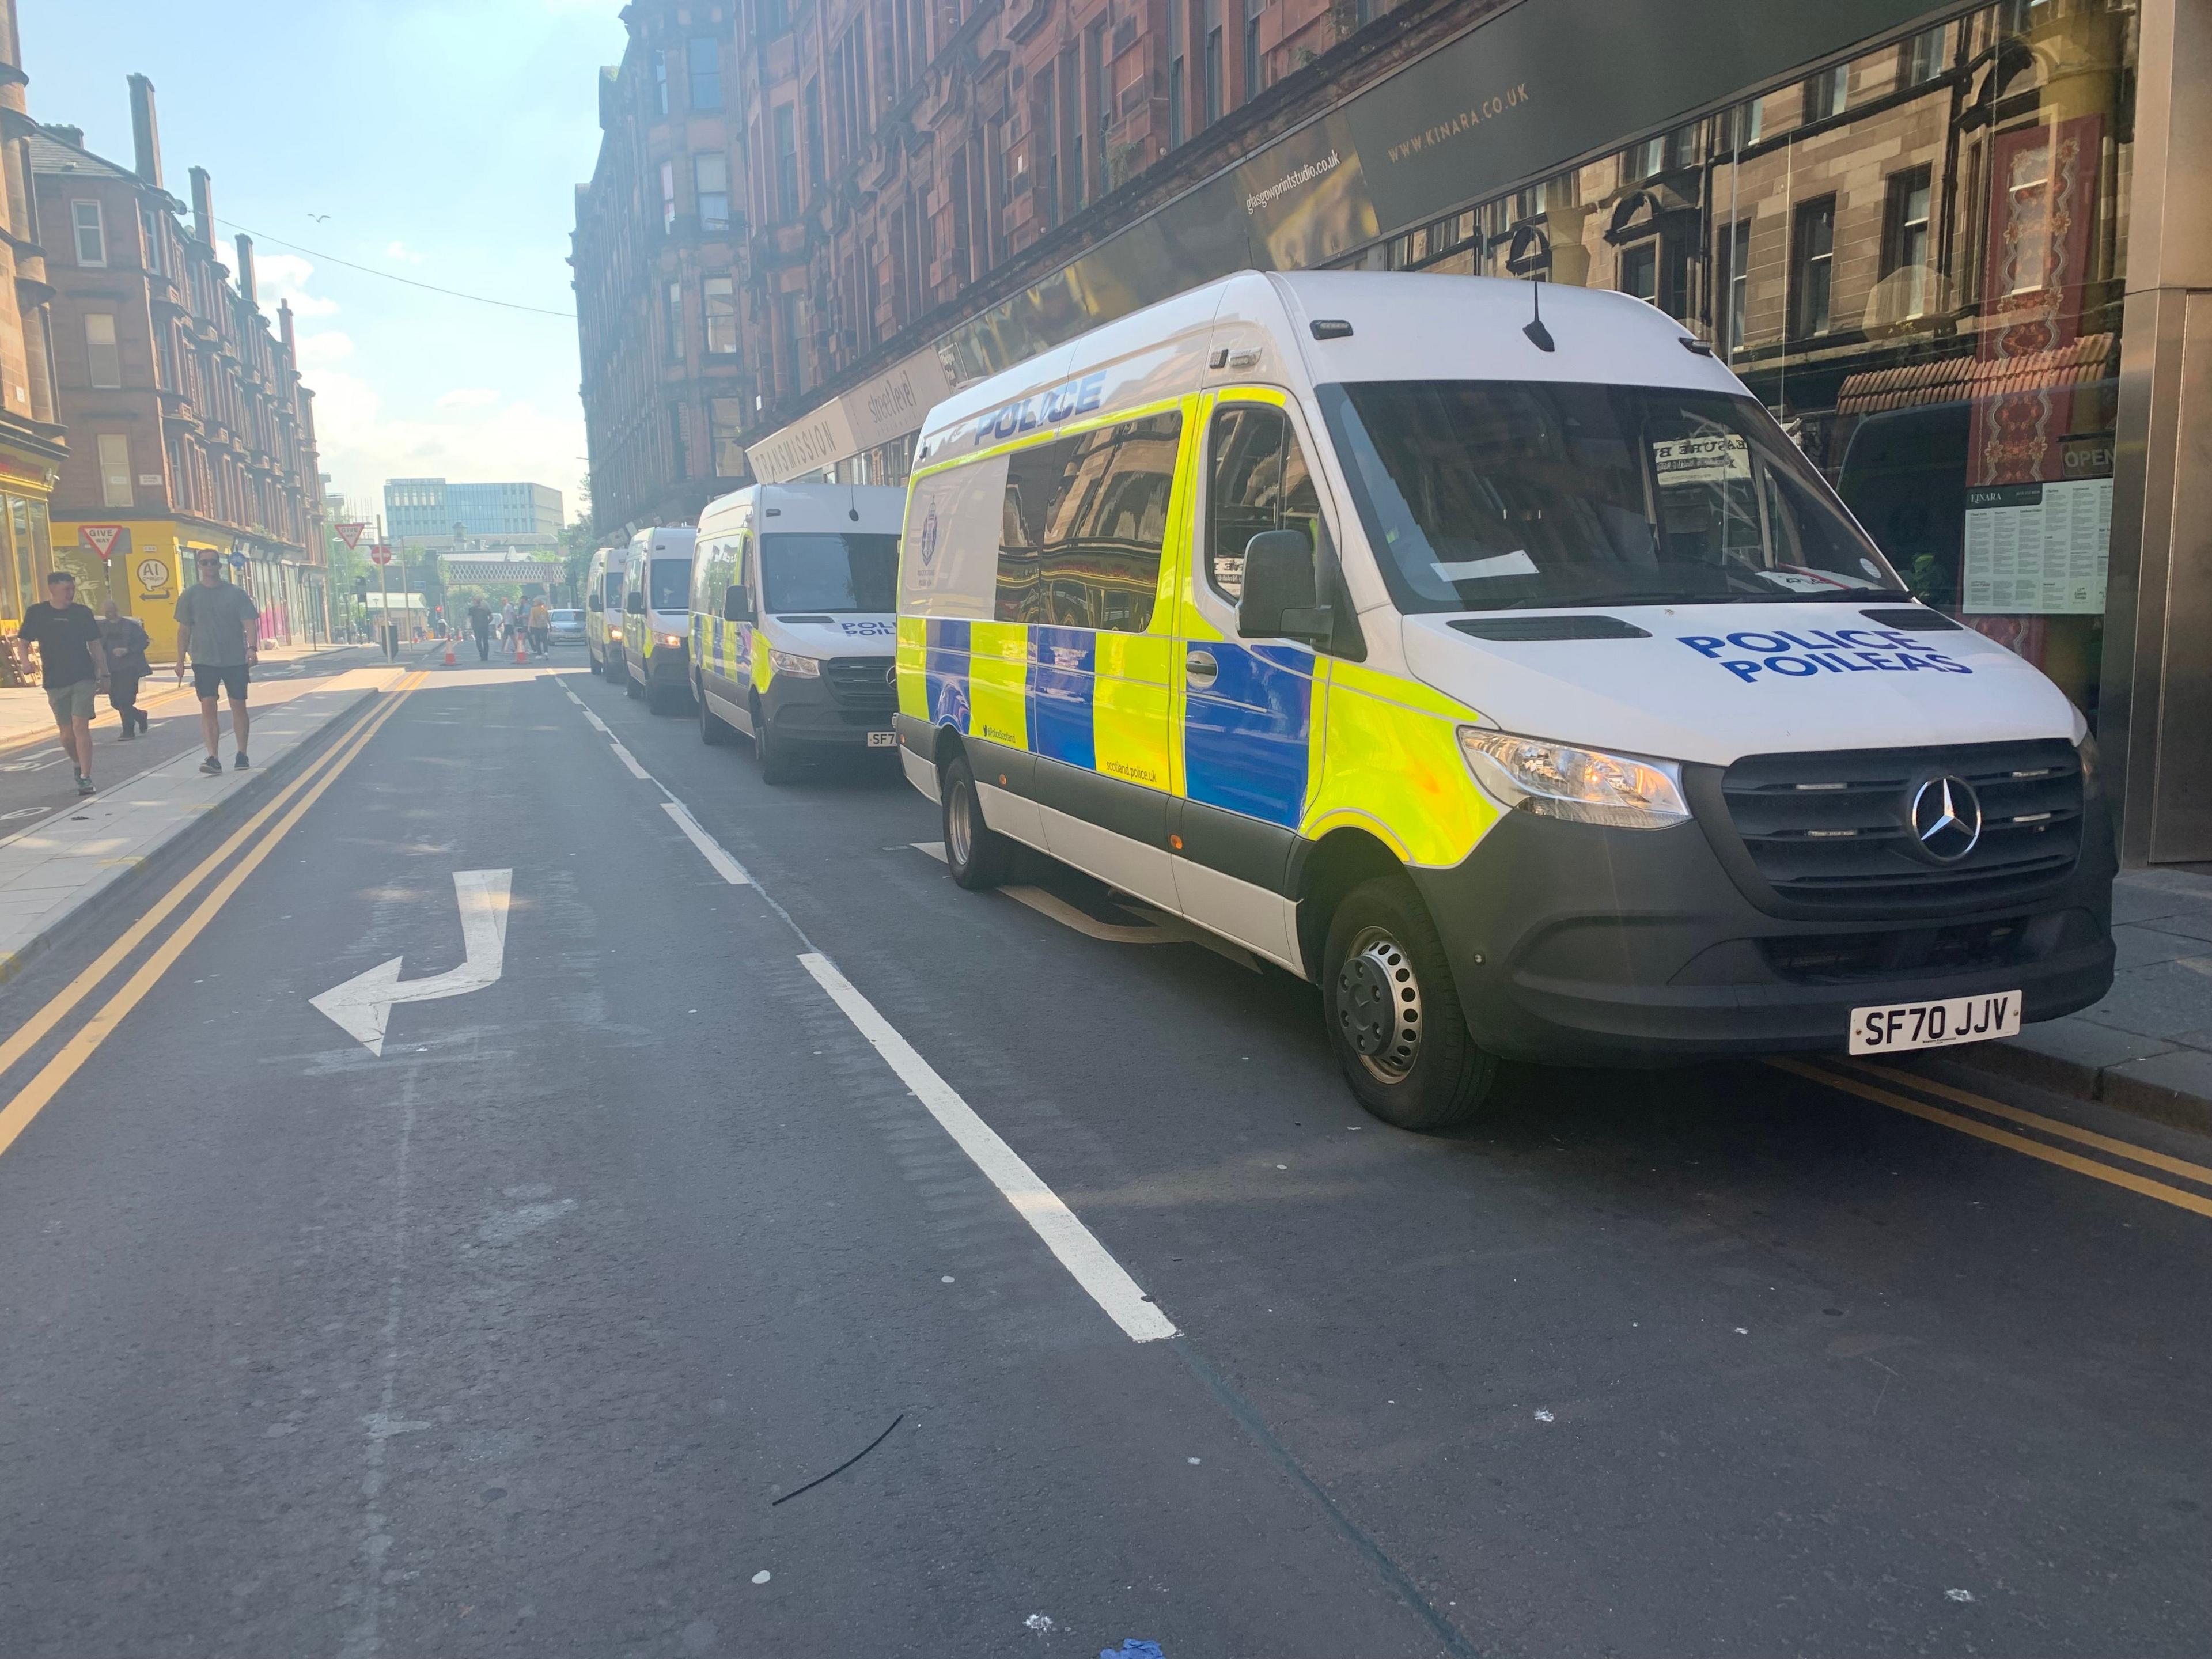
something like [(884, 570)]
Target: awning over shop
[(1959, 379)]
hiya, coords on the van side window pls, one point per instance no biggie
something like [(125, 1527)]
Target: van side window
[(1258, 482), (1083, 526)]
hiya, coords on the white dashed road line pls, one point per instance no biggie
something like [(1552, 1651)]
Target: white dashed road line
[(710, 849)]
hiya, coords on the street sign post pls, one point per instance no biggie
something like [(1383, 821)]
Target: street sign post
[(380, 554)]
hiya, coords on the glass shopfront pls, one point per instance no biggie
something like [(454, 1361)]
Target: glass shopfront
[(1915, 257)]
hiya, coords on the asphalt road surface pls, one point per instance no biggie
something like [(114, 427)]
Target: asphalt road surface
[(537, 1332)]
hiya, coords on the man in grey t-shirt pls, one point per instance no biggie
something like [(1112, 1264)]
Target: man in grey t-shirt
[(215, 624)]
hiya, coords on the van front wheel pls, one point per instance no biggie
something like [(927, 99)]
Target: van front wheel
[(977, 855), (1393, 1012)]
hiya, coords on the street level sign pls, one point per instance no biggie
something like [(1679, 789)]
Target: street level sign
[(362, 1004), (100, 537), (380, 554), (350, 534), (238, 561)]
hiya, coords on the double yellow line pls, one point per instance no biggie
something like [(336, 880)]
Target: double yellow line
[(292, 801), (1865, 1079)]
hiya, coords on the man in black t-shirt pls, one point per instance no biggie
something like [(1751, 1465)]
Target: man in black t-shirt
[(74, 666)]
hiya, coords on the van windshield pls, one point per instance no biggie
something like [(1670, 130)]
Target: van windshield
[(830, 570), (669, 585), (1505, 495)]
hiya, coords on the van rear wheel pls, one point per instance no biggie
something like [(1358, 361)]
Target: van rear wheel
[(773, 753), (978, 856), (714, 730), (1393, 1013)]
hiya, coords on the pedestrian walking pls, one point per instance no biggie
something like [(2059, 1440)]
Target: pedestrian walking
[(480, 625), (541, 629), (214, 619), (72, 663), (127, 644)]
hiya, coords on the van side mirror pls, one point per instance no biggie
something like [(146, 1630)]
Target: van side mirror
[(737, 603), (634, 604), (591, 602), (1278, 593)]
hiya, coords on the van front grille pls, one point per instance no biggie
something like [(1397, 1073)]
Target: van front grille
[(1836, 828), (862, 683)]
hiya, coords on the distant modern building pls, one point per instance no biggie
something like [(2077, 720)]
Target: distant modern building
[(420, 510)]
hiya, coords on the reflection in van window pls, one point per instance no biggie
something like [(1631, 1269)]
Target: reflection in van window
[(830, 570), (670, 585), (1083, 524), (1482, 496), (1258, 482)]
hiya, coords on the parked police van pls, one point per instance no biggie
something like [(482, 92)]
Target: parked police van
[(656, 616), (1514, 678), (793, 632), (603, 588)]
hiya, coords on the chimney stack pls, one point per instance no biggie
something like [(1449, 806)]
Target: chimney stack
[(144, 133), (284, 330), (245, 269), (203, 207), (72, 137)]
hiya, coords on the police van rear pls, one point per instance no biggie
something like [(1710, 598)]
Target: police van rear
[(603, 591), (1514, 677), (793, 632), (656, 616)]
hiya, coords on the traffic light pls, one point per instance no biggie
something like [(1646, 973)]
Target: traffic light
[(361, 587)]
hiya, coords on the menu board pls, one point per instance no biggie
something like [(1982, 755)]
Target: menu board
[(2038, 549)]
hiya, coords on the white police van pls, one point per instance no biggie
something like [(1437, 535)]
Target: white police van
[(1515, 679), (603, 588), (656, 622), (792, 629)]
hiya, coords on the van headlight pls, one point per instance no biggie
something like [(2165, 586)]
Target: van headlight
[(1583, 786), (790, 662), (2086, 750), (671, 639)]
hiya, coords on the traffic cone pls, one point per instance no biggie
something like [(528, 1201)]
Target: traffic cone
[(521, 652), (449, 650)]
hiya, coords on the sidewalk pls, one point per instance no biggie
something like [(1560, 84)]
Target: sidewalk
[(24, 717), (2147, 1047), (51, 871)]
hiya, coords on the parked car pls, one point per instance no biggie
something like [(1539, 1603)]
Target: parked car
[(565, 627)]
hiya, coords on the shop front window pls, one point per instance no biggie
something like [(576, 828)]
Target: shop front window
[(1915, 261)]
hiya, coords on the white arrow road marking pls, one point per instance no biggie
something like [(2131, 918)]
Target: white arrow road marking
[(363, 1003)]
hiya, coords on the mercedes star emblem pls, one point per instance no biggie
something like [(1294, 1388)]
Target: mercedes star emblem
[(1947, 816)]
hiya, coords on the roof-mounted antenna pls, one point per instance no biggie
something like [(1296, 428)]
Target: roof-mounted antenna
[(852, 502), (1538, 334)]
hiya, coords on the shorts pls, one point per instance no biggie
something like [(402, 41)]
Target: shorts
[(212, 680), (72, 703)]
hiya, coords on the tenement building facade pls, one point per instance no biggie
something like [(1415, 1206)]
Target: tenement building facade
[(1963, 252), (32, 446), (189, 426)]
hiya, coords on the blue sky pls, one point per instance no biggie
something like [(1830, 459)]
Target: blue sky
[(444, 139)]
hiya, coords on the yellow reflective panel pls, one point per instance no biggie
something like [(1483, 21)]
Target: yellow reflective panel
[(913, 655), (1391, 765), (998, 683), (1130, 708)]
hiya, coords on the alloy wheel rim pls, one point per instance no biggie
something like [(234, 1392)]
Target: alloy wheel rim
[(957, 830), (1378, 1006)]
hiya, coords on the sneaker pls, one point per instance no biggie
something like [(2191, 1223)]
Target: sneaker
[(240, 763), (212, 767), (84, 785)]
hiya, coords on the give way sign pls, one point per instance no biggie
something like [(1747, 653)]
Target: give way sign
[(100, 537)]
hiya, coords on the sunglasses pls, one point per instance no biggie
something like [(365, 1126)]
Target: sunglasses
[(209, 564)]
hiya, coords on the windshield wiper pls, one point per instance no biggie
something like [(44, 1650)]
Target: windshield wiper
[(1844, 595), (1600, 601)]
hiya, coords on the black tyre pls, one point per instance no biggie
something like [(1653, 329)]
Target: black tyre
[(1393, 1013), (777, 764), (977, 855), (714, 730), (664, 699), (631, 689)]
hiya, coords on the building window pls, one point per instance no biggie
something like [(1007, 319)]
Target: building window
[(91, 233), (667, 196), (786, 305), (710, 179), (677, 444), (1812, 262), (149, 228), (114, 469), (1826, 92), (104, 359), (661, 83), (774, 17), (1735, 251), (1639, 271), (818, 165), (703, 58), (1045, 120), (1210, 69), (671, 322), (1175, 73), (1922, 59), (721, 298), (1904, 242), (1252, 67), (1645, 160), (787, 163), (1076, 188), (1102, 100), (726, 418)]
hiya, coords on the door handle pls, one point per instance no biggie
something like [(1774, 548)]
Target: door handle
[(1199, 669)]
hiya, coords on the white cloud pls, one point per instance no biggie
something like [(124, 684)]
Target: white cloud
[(284, 277), (468, 396), (324, 350), (401, 250), (361, 447)]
